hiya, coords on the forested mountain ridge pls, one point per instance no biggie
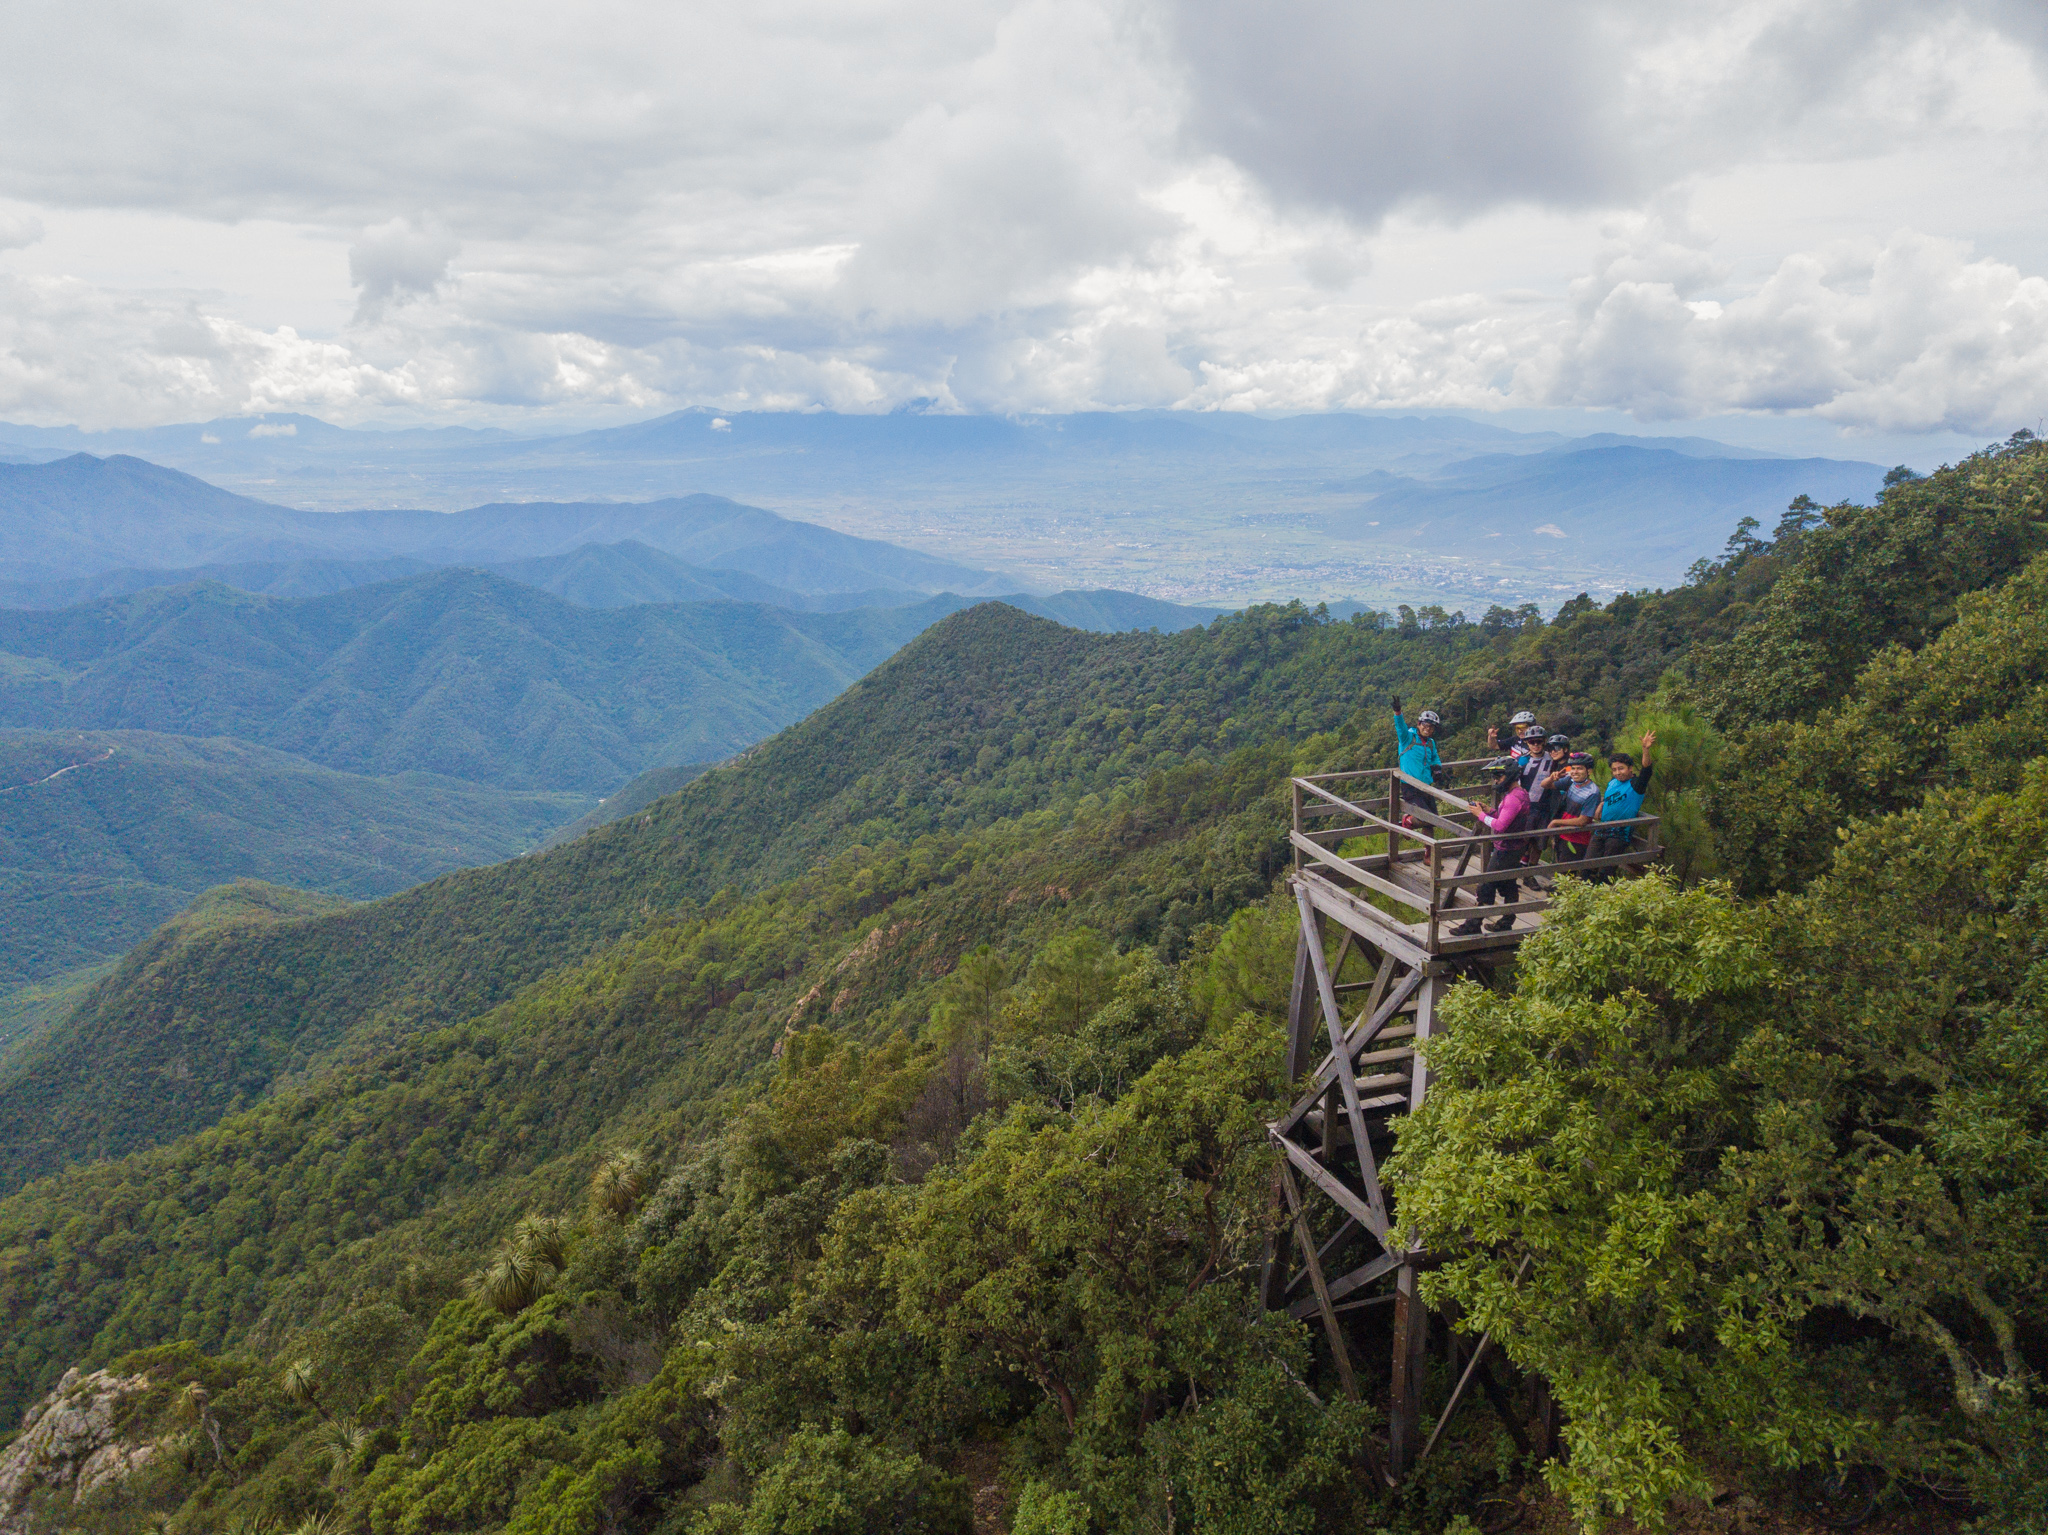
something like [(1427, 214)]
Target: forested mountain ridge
[(592, 576), (453, 672), (750, 1295), (103, 835)]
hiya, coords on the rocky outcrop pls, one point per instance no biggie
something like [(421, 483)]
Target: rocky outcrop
[(69, 1443)]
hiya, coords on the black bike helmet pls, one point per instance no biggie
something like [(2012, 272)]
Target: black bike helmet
[(1557, 742), (1578, 759)]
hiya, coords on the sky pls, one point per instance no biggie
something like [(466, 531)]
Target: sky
[(1798, 224)]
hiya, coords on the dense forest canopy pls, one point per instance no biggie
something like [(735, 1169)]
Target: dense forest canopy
[(874, 1127)]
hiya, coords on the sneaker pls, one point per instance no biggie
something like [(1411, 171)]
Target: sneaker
[(1466, 928), (1408, 823), (1499, 924)]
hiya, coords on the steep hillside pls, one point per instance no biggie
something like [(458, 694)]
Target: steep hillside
[(103, 835), (990, 716), (455, 672)]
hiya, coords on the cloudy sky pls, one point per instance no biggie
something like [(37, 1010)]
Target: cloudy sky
[(1827, 215)]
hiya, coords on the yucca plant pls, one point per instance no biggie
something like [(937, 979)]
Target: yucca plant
[(300, 1382), (545, 1238), (618, 1185), (513, 1280), (340, 1439)]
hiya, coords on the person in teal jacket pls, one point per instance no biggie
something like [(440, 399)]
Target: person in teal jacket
[(1419, 756), (1622, 800)]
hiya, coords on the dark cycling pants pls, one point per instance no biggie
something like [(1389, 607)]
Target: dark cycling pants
[(1503, 890)]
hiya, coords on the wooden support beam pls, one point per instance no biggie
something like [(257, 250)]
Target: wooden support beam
[(1333, 1022), (1357, 1279), (1298, 1016), (1344, 1232), (1273, 1286), (1354, 1041), (1333, 1186), (1332, 1328), (1411, 1341), (1305, 1242), (1346, 1077), (1476, 1366), (1346, 869), (1379, 929)]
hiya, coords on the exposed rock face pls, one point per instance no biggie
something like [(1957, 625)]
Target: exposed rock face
[(68, 1441)]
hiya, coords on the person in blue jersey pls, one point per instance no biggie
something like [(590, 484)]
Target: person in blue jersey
[(1622, 800), (1420, 759), (1580, 810)]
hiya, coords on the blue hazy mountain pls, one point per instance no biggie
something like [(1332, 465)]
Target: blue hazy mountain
[(1666, 507), (1178, 502), (80, 516)]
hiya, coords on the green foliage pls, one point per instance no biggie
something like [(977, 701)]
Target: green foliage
[(1962, 711), (92, 859), (1707, 1147), (892, 1103), (453, 672), (1574, 1129), (836, 1483), (1867, 577)]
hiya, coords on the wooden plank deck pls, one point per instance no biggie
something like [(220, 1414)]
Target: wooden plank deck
[(1432, 871)]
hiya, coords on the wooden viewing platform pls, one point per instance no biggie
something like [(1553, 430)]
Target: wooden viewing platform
[(1396, 893)]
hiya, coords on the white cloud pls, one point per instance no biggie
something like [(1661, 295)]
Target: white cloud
[(1028, 204), (398, 260), (18, 231)]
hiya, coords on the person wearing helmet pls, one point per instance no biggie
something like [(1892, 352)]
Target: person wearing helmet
[(1518, 727), (1622, 800), (1546, 769), (1506, 853), (1579, 810), (1546, 786), (1420, 759)]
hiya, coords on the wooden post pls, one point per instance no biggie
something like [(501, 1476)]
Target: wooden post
[(1301, 1001), (1426, 998), (1405, 1426)]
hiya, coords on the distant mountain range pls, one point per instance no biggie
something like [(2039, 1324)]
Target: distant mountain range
[(82, 516), (592, 576), (1663, 505), (1199, 506), (355, 702)]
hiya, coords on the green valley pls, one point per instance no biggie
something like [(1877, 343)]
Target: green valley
[(105, 834)]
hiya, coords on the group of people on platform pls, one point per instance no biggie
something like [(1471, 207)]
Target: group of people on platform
[(1540, 782)]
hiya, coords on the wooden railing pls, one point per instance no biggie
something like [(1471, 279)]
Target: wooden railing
[(1431, 871)]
